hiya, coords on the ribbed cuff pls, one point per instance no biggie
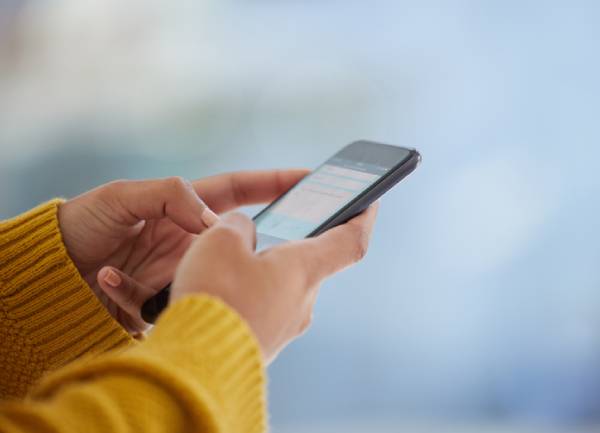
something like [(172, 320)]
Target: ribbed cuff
[(206, 358), (204, 336), (43, 295)]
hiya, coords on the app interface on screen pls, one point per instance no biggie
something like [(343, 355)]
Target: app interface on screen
[(317, 197)]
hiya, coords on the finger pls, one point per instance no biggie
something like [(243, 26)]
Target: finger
[(231, 190), (330, 252), (351, 240), (126, 292), (234, 230), (308, 320), (171, 197)]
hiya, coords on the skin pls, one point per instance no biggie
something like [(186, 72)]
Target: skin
[(279, 285), (129, 239)]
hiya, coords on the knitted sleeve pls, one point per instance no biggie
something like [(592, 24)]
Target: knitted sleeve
[(200, 370), (48, 314)]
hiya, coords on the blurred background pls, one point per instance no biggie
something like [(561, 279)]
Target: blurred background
[(478, 306)]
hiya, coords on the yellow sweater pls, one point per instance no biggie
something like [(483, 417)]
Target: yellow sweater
[(200, 370)]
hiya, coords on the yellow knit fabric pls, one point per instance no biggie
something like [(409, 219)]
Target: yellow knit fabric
[(200, 370), (48, 315)]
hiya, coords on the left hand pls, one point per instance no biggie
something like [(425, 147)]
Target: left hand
[(127, 237)]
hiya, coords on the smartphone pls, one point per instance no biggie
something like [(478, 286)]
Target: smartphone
[(339, 189)]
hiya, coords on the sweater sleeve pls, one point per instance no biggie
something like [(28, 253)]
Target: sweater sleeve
[(200, 370), (48, 314)]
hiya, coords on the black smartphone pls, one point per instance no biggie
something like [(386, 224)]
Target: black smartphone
[(339, 189)]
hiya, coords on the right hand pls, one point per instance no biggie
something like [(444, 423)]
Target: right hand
[(273, 291)]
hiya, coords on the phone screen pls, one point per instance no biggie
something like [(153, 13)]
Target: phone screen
[(326, 191)]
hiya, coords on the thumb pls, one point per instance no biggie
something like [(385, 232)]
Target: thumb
[(128, 294)]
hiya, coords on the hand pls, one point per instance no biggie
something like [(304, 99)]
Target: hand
[(275, 290), (127, 237)]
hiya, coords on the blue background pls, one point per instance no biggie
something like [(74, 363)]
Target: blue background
[(478, 306)]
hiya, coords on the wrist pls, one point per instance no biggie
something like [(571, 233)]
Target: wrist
[(69, 229), (71, 222)]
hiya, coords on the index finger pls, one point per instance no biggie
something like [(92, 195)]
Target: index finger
[(227, 191), (330, 252), (171, 197)]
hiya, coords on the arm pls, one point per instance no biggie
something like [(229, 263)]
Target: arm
[(48, 314), (199, 371), (55, 300)]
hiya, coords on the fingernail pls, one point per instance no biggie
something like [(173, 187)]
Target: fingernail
[(112, 278), (209, 217)]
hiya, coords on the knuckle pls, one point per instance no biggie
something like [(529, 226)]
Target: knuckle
[(306, 323), (115, 185), (361, 243), (112, 190), (178, 183)]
